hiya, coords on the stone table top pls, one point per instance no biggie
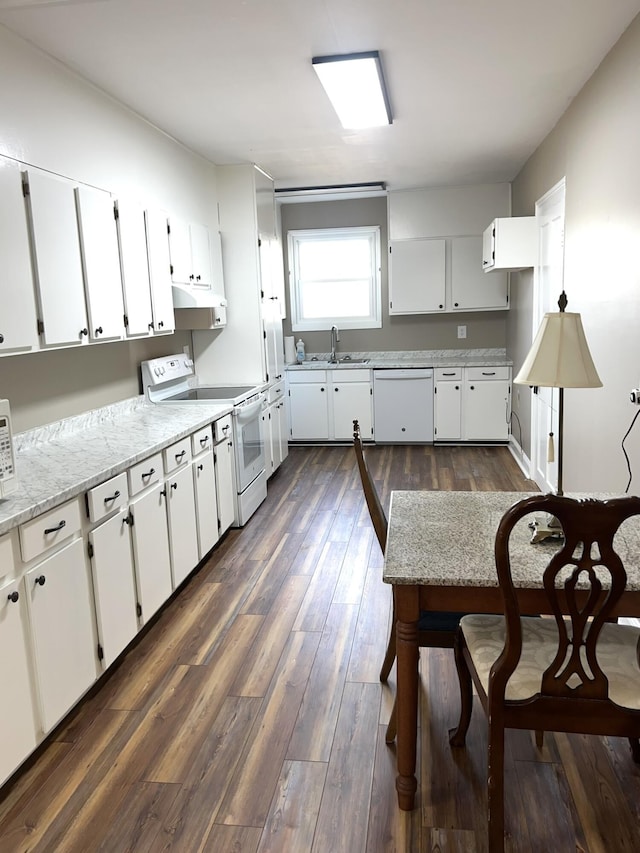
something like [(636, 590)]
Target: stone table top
[(447, 539)]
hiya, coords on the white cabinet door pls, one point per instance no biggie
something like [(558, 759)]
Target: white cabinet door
[(134, 268), (351, 401), (200, 254), (150, 538), (101, 263), (225, 485), (417, 276), (18, 322), (281, 443), (204, 479), (268, 437), (19, 717), (448, 411), (183, 534), (486, 410), (114, 586), (159, 271), (309, 411), (61, 610), (58, 265), (180, 252), (471, 289)]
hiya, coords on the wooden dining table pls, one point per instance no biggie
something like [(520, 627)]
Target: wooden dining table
[(440, 556)]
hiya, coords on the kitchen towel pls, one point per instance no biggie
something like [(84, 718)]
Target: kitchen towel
[(289, 350)]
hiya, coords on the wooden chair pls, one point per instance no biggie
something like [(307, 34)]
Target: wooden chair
[(577, 673), (435, 630)]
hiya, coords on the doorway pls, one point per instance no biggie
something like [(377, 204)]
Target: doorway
[(548, 283)]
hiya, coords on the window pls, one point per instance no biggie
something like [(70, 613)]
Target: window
[(335, 278)]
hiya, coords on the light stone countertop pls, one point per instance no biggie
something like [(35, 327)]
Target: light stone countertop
[(59, 461), (447, 539), (495, 357)]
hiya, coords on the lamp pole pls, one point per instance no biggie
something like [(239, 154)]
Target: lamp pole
[(562, 304)]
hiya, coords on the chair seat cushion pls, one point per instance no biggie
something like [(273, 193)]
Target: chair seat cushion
[(617, 652), (431, 620)]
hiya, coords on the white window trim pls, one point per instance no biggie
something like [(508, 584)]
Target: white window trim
[(374, 320)]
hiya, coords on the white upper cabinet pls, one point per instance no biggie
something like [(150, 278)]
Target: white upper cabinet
[(416, 276), (101, 263), (134, 267), (510, 243), (58, 264), (159, 270), (190, 253), (471, 289), (18, 322)]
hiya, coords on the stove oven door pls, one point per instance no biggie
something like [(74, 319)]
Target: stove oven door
[(249, 443)]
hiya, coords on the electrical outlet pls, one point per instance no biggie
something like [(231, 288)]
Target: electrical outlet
[(462, 332), (634, 396)]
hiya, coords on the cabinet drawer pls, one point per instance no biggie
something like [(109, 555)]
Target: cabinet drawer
[(201, 441), (355, 375), (444, 373), (298, 377), (50, 529), (144, 474), (477, 374), (109, 496), (276, 392), (222, 429), (176, 455)]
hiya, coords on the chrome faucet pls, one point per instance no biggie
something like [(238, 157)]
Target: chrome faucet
[(335, 337)]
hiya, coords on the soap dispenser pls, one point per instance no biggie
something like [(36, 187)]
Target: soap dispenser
[(300, 351)]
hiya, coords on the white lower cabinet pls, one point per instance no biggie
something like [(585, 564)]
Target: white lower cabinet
[(224, 461), (183, 533), (114, 586), (204, 480), (447, 404), (274, 429), (487, 406), (150, 540), (19, 718), (64, 645), (324, 404)]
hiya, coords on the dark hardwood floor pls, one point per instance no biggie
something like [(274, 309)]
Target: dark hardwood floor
[(249, 716)]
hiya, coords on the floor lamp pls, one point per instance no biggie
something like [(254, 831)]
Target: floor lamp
[(559, 358)]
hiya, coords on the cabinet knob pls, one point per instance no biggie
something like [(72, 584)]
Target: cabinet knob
[(113, 497), (98, 330), (197, 278), (41, 580), (191, 277), (180, 456), (148, 473), (472, 387), (150, 326), (1, 339), (455, 304), (174, 485), (322, 389), (200, 467), (163, 493), (161, 324), (440, 306), (336, 389), (204, 440), (13, 596), (457, 387), (55, 529), (84, 332)]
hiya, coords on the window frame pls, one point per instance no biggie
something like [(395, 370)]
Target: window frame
[(371, 321)]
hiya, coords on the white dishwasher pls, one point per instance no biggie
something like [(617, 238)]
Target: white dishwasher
[(403, 405)]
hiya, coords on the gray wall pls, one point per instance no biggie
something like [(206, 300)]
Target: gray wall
[(415, 332), (595, 145)]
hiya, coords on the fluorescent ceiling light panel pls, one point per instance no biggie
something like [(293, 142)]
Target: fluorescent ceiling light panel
[(355, 85)]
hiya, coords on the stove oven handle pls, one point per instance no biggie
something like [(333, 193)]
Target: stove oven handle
[(248, 412)]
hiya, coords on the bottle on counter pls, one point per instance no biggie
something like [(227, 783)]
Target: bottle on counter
[(300, 351)]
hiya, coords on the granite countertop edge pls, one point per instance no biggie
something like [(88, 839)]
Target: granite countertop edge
[(60, 461), (411, 359)]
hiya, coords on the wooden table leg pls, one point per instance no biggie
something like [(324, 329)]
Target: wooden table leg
[(407, 696)]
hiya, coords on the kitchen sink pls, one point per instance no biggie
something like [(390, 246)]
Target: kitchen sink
[(342, 362), (348, 360)]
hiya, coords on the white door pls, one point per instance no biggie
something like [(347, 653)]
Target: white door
[(448, 410), (351, 401), (200, 254), (101, 263), (150, 536), (416, 276), (135, 267), (61, 610), (54, 227), (180, 252), (548, 285), (18, 729), (204, 479), (225, 485), (159, 271), (183, 534), (114, 585), (18, 323)]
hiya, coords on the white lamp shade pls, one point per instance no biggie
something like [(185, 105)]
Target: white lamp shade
[(559, 356)]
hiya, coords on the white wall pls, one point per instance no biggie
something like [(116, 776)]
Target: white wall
[(52, 119), (595, 145)]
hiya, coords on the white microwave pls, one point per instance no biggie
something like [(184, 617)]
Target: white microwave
[(7, 458)]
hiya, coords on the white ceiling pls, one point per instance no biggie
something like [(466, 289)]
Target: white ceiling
[(475, 85)]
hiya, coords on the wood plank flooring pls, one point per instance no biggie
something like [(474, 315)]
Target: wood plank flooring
[(249, 716)]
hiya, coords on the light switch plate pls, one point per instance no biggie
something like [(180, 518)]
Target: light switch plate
[(462, 332)]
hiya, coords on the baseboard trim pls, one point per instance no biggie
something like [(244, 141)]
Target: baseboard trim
[(524, 463)]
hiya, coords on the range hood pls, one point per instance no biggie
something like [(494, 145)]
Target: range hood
[(185, 296)]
